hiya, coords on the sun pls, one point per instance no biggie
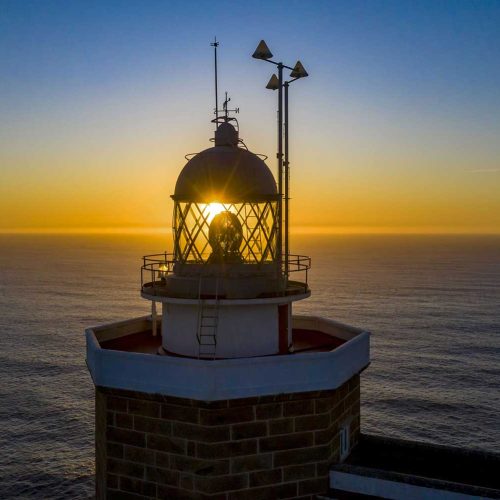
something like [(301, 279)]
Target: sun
[(213, 209)]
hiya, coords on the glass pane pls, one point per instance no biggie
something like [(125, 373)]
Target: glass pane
[(244, 232)]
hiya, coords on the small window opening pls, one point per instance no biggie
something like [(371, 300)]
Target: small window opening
[(344, 441)]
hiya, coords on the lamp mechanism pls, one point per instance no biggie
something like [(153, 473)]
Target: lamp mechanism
[(225, 235)]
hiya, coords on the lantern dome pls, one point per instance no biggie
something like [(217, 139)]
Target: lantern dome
[(225, 173)]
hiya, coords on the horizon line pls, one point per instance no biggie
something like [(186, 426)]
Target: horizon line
[(318, 230)]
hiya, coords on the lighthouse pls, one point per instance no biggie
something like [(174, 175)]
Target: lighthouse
[(222, 292), (223, 392)]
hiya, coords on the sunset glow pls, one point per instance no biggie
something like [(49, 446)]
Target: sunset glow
[(392, 131), (213, 209)]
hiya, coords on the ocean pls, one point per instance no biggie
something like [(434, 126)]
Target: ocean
[(432, 304)]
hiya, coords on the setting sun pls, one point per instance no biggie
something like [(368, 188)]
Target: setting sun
[(213, 209)]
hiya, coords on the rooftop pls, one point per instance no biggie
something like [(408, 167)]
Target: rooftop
[(383, 467), (326, 353), (304, 340)]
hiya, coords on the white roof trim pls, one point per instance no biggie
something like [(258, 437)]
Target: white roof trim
[(211, 380)]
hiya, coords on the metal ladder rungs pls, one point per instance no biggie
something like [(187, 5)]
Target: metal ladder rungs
[(207, 335), (208, 321), (208, 348)]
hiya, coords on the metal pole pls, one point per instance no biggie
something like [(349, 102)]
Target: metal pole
[(153, 317), (215, 44), (280, 169), (287, 186)]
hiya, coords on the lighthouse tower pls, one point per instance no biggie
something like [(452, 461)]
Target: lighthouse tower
[(222, 392), (222, 291)]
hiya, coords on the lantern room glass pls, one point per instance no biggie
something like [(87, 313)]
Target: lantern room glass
[(253, 225)]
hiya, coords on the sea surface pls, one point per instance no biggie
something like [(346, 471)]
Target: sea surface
[(432, 304)]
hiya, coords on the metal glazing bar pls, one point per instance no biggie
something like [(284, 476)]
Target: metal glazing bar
[(192, 243)]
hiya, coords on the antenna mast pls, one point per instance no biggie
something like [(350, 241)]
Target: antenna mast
[(215, 44)]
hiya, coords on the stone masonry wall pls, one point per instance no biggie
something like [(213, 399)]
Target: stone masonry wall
[(268, 447)]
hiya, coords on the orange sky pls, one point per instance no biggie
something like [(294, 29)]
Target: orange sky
[(391, 132)]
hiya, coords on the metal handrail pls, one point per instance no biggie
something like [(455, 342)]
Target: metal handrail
[(158, 266), (301, 263)]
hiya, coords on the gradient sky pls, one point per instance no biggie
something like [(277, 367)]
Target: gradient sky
[(396, 129)]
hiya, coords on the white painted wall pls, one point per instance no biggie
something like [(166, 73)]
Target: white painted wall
[(242, 331)]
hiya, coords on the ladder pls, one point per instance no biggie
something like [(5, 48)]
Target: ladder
[(208, 320)]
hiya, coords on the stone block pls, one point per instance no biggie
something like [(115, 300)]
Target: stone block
[(123, 468), (248, 430), (144, 408), (274, 492), (166, 444), (162, 476), (297, 472), (139, 455), (181, 413), (162, 459), (226, 450), (281, 426), (124, 420), (312, 422), (116, 403), (286, 442), (201, 433), (271, 410), (153, 425), (227, 416), (301, 456), (265, 477), (219, 484), (294, 408), (113, 481), (199, 466), (126, 436), (324, 404), (186, 482), (139, 486), (171, 493), (124, 495), (261, 461), (114, 450), (310, 486)]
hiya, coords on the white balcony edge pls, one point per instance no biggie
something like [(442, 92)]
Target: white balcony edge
[(231, 378)]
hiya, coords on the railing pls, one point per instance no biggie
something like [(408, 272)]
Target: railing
[(157, 267), (298, 263)]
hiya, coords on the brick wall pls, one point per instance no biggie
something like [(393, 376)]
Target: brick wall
[(268, 447)]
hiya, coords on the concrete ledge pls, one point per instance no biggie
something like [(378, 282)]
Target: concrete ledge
[(211, 380), (385, 467), (371, 483)]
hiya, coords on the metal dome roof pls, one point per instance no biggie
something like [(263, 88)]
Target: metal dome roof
[(226, 174)]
